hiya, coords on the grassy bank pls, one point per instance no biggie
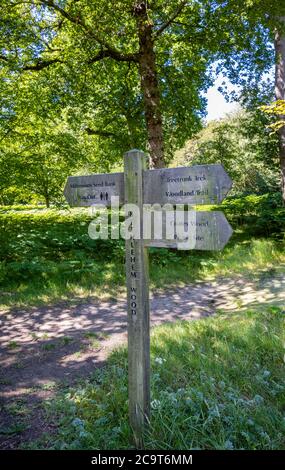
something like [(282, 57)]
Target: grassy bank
[(47, 255), (216, 384)]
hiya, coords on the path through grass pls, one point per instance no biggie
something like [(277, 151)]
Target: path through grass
[(216, 383)]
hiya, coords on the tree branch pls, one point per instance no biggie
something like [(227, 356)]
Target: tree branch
[(77, 19), (41, 64), (3, 57), (171, 19), (99, 133), (113, 55)]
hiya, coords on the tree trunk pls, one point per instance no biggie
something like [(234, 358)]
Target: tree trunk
[(149, 85), (280, 95), (47, 199)]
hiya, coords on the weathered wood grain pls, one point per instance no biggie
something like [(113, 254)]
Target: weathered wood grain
[(200, 184), (89, 190), (205, 230), (138, 304)]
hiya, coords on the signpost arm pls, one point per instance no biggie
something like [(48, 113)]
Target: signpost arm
[(138, 302)]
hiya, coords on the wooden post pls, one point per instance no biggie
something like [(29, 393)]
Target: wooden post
[(138, 303), (200, 184)]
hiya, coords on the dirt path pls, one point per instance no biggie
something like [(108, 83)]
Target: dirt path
[(44, 348)]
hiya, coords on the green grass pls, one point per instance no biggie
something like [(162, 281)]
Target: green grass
[(47, 256), (242, 256), (13, 345), (66, 340), (48, 347), (217, 383), (16, 428), (21, 207), (18, 407)]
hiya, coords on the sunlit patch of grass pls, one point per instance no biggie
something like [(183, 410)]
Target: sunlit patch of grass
[(217, 383), (92, 334), (18, 408), (93, 343), (47, 386), (244, 257), (94, 339)]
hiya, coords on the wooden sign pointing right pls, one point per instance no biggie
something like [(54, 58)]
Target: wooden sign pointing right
[(198, 184), (206, 230)]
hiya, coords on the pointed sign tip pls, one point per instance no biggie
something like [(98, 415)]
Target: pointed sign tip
[(133, 151)]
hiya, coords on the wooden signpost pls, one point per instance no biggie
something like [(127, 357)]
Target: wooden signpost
[(205, 231), (201, 184), (91, 190), (138, 303)]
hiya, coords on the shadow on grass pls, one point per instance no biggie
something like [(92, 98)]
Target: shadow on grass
[(216, 384)]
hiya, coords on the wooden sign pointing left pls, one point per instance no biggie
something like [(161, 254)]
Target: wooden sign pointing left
[(92, 190)]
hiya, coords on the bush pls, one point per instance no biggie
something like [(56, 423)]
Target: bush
[(259, 215), (16, 195)]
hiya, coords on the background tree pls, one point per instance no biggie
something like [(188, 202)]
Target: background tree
[(244, 145), (280, 92), (266, 19), (132, 36), (276, 109), (162, 48), (39, 147)]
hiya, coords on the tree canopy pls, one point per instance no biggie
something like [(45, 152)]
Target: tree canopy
[(96, 57), (85, 81)]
